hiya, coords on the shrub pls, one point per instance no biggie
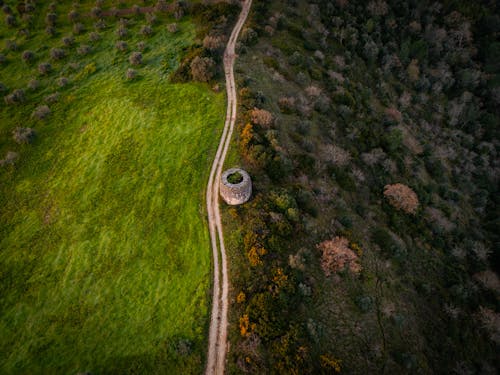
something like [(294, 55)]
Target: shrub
[(96, 12), (73, 16), (10, 20), (136, 9), (11, 45), (121, 45), (29, 7), (249, 36), (113, 12), (135, 58), (172, 28), (68, 41), (50, 30), (94, 37), (122, 32), (261, 117), (161, 6), (44, 68), (336, 256), (78, 28), (202, 68), (28, 56), (3, 59), (131, 74), (401, 197), (213, 43), (33, 84), (15, 97), (23, 135), (41, 112), (57, 53), (100, 25), (62, 81), (7, 9), (50, 19), (52, 98), (83, 49), (151, 18), (141, 46), (146, 30), (10, 158)]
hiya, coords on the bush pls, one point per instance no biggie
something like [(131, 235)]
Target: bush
[(151, 18), (202, 69), (261, 117), (96, 12), (50, 19), (16, 97), (135, 58), (73, 16), (10, 158), (33, 84), (50, 30), (11, 45), (94, 37), (41, 112), (131, 74), (62, 81), (44, 68), (100, 25), (83, 49), (3, 59), (57, 54), (146, 30), (213, 43), (29, 7), (136, 9), (401, 197), (68, 41), (121, 45), (161, 6), (122, 32), (141, 46), (78, 28), (52, 98), (23, 135), (10, 20), (172, 28), (336, 256), (7, 9), (28, 56)]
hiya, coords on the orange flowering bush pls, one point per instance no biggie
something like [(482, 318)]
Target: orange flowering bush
[(401, 197)]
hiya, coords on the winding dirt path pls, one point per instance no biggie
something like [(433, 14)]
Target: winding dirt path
[(217, 339)]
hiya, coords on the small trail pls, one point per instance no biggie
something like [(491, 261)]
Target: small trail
[(217, 339)]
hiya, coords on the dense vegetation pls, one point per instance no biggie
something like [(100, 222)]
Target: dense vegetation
[(104, 252), (370, 130)]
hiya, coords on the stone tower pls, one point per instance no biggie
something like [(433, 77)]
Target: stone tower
[(235, 193)]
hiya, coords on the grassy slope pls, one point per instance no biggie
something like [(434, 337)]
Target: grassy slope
[(104, 254)]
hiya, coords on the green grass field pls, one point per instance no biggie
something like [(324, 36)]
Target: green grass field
[(104, 250)]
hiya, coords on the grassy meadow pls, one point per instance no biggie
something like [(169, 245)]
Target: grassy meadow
[(104, 250)]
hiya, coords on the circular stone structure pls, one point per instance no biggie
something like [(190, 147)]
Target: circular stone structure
[(238, 193)]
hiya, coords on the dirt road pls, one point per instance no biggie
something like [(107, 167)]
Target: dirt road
[(217, 340)]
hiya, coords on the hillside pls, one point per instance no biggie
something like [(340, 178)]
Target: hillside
[(370, 130)]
